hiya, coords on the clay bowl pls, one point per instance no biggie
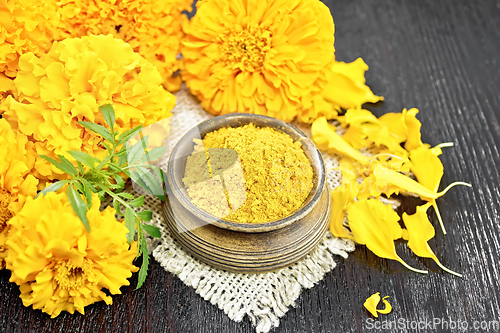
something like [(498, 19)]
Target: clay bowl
[(244, 247)]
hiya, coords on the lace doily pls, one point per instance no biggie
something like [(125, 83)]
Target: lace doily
[(265, 298)]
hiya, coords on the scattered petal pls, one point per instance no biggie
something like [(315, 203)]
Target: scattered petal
[(376, 225), (420, 231), (372, 302), (325, 137)]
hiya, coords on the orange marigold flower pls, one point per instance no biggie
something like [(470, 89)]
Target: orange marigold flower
[(16, 184), (26, 26), (151, 27), (58, 265), (269, 57), (70, 82)]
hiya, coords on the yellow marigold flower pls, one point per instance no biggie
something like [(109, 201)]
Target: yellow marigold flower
[(16, 184), (70, 82), (26, 26), (266, 57), (151, 27), (58, 265)]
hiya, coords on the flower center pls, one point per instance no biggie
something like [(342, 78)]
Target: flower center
[(245, 49), (5, 214), (69, 276)]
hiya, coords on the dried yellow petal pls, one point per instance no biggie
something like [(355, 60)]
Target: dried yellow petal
[(426, 167), (389, 176), (413, 126), (420, 231), (396, 125), (428, 170), (346, 86), (340, 199), (388, 306), (372, 302), (376, 225), (325, 137)]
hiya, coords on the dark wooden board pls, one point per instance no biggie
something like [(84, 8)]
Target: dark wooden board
[(439, 56)]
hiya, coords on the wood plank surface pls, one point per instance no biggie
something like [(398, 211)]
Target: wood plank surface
[(441, 57)]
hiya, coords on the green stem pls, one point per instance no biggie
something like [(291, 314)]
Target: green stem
[(124, 203), (109, 158)]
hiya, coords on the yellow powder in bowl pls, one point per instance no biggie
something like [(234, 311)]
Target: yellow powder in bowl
[(248, 174)]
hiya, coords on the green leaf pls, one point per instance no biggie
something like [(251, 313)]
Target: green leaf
[(126, 195), (152, 230), (154, 154), (78, 205), (87, 192), (99, 129), (67, 164), (80, 168), (143, 272), (145, 215), (109, 114), (102, 195), (84, 158), (105, 145), (53, 187), (89, 185), (122, 151), (127, 135), (114, 167), (138, 202), (145, 179), (78, 186), (58, 164), (119, 181), (137, 151), (122, 160), (116, 206), (130, 224)]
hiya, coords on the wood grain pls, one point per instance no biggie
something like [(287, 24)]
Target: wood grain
[(438, 56)]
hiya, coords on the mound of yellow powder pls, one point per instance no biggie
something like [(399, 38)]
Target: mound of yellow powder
[(248, 174)]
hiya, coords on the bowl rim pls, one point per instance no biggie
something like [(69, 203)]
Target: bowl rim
[(225, 121)]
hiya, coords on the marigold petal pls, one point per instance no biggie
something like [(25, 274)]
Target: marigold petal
[(388, 306), (325, 137), (346, 85), (340, 199), (371, 304), (376, 225), (420, 231)]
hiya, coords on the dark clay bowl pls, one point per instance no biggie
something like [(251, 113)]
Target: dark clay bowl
[(184, 148), (244, 247)]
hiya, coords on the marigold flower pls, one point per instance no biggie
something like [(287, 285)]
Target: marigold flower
[(58, 265), (268, 57), (16, 184), (151, 27), (70, 82), (26, 26)]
